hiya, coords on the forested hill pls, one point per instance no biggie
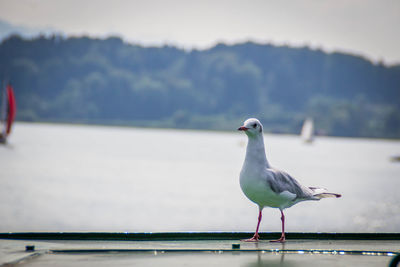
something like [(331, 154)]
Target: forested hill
[(109, 81)]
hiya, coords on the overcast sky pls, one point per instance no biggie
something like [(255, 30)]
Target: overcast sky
[(364, 27)]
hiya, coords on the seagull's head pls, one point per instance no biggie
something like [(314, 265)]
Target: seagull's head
[(252, 127)]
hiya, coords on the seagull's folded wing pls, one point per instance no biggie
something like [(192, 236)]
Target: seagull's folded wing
[(280, 181)]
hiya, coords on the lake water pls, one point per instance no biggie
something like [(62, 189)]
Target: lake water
[(56, 177)]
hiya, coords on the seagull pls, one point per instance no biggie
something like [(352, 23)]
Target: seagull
[(267, 186)]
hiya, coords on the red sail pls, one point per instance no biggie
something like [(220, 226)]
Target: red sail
[(12, 108)]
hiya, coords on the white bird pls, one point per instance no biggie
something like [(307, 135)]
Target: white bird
[(269, 187)]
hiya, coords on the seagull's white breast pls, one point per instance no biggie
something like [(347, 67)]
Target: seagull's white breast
[(255, 187)]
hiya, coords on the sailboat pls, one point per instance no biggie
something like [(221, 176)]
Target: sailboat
[(307, 131), (8, 109)]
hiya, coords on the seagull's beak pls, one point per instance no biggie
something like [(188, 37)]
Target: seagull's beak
[(242, 128)]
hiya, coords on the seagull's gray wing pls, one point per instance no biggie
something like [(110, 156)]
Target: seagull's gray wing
[(280, 181)]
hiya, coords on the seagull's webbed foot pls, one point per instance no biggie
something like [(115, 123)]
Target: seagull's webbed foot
[(255, 238), (280, 240)]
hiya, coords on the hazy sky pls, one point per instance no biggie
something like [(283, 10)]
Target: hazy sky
[(365, 27)]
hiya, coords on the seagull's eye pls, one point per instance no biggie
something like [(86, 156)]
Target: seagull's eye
[(254, 125)]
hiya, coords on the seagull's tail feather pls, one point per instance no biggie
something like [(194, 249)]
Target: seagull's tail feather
[(322, 193)]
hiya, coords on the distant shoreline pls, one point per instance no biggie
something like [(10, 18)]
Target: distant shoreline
[(107, 81)]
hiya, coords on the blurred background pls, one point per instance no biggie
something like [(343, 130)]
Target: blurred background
[(116, 101)]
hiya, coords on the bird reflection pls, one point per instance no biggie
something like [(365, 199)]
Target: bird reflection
[(270, 259)]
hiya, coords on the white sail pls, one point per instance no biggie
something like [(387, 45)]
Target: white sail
[(307, 131)]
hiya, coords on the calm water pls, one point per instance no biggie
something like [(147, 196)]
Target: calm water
[(93, 178)]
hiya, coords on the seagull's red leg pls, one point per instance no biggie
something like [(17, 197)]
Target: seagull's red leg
[(282, 239), (256, 236)]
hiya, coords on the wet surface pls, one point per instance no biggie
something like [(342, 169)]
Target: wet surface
[(198, 253)]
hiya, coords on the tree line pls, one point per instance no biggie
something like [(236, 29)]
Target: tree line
[(108, 81)]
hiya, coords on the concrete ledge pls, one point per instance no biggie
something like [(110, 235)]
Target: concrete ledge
[(164, 236)]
